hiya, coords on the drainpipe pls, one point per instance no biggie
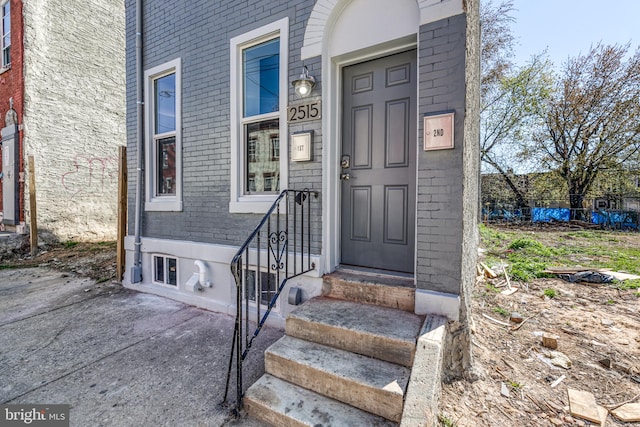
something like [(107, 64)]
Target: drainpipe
[(136, 271)]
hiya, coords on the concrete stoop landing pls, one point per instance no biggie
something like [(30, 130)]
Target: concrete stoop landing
[(347, 358)]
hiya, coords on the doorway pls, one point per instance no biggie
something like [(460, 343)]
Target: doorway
[(378, 163)]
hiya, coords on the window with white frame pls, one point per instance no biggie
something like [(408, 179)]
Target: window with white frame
[(165, 270), (163, 149), (259, 64), (6, 34)]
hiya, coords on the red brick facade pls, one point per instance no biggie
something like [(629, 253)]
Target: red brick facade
[(12, 85)]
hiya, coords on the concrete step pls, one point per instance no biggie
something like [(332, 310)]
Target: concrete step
[(371, 288), (283, 404), (384, 333), (369, 384)]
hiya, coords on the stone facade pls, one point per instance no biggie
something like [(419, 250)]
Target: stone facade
[(74, 113)]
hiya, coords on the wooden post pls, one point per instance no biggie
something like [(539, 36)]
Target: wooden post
[(33, 225), (122, 211)]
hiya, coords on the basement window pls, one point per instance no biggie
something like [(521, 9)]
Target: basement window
[(165, 270), (263, 284)]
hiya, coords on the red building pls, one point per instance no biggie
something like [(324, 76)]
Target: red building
[(12, 89)]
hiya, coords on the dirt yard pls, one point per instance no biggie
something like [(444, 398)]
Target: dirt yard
[(96, 260), (597, 329)]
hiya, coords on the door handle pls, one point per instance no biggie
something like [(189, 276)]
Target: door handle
[(345, 176)]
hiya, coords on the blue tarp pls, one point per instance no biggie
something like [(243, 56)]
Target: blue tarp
[(612, 219), (550, 214)]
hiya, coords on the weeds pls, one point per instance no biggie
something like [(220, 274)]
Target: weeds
[(550, 293), (516, 385), (529, 254), (492, 288), (626, 285), (446, 421), (501, 311), (69, 244)]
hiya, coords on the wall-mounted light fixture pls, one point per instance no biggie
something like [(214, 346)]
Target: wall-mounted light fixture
[(304, 85)]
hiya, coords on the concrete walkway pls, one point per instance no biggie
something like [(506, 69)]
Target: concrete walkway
[(118, 357)]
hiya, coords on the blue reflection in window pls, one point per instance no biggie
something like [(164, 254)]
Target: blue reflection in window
[(261, 69), (165, 104)]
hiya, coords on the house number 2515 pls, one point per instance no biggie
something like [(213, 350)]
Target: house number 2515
[(304, 112)]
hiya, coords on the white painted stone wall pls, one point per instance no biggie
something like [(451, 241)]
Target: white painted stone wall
[(74, 113)]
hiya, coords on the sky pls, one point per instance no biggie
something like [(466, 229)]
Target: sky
[(570, 27)]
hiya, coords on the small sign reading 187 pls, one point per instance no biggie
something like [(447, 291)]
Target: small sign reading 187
[(304, 112)]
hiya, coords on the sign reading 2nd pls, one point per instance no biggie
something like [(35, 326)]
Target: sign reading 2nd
[(304, 112)]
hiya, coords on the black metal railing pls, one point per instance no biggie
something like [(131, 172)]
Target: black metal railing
[(277, 250)]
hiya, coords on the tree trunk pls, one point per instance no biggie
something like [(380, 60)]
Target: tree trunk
[(576, 199), (520, 201)]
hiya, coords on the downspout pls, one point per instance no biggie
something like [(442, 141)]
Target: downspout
[(136, 271)]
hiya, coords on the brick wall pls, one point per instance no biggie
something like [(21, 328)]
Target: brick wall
[(440, 179), (74, 112), (11, 83), (199, 33)]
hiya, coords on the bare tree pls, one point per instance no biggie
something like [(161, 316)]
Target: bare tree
[(591, 118)]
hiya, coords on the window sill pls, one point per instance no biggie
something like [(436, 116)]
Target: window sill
[(5, 69), (252, 204), (158, 205)]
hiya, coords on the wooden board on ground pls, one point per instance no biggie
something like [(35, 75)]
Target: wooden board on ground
[(489, 273), (628, 413), (583, 405)]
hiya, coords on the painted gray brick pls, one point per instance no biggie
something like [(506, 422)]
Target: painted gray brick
[(439, 214), (199, 32)]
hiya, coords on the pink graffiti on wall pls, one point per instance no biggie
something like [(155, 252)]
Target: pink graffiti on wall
[(89, 174)]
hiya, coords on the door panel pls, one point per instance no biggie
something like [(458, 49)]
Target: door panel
[(396, 213), (362, 137), (361, 213), (397, 133), (378, 184)]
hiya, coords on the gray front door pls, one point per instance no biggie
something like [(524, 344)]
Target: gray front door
[(379, 163)]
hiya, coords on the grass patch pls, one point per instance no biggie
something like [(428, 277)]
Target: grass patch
[(501, 311), (18, 265), (446, 421), (625, 285), (488, 234), (516, 385), (529, 253), (550, 293), (528, 258), (592, 235), (492, 288), (69, 244)]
